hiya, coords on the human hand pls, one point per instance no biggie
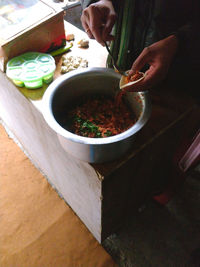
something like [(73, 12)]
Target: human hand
[(98, 20), (159, 57)]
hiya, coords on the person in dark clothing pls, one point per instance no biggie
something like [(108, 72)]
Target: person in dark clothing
[(161, 38)]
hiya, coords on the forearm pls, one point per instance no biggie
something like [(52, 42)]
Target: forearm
[(190, 31)]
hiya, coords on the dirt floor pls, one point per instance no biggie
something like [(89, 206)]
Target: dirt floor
[(38, 229), (162, 236), (157, 236)]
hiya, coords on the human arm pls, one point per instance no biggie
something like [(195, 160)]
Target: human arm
[(179, 47), (159, 57), (98, 19)]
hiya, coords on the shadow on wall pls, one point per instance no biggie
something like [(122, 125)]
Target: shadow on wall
[(73, 16)]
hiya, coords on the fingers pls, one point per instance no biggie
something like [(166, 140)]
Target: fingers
[(85, 20), (152, 76), (98, 20), (95, 23), (92, 23), (141, 60), (88, 31), (138, 87), (108, 27), (158, 56), (138, 64)]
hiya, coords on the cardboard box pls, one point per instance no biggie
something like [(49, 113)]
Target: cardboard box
[(29, 26)]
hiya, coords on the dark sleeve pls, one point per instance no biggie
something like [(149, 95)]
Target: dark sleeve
[(187, 59), (190, 31), (189, 41)]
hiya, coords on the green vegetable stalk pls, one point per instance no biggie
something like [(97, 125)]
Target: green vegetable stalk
[(61, 50)]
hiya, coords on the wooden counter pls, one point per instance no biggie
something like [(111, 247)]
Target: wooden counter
[(102, 195)]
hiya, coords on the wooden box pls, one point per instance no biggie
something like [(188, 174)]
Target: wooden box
[(31, 26)]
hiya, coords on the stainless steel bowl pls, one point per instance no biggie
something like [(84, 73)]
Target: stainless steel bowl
[(70, 88)]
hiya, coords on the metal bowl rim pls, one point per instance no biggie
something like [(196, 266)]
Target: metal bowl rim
[(51, 121)]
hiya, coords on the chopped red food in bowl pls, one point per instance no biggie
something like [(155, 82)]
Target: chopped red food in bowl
[(91, 124), (99, 116)]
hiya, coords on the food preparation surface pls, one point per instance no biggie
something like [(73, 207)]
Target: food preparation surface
[(101, 195), (95, 55)]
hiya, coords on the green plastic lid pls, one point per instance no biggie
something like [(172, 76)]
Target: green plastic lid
[(31, 69)]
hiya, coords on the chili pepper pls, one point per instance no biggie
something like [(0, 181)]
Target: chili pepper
[(61, 50)]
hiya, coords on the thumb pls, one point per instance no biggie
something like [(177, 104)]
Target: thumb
[(141, 60), (109, 25)]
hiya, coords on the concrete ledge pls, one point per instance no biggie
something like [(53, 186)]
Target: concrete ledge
[(102, 195)]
